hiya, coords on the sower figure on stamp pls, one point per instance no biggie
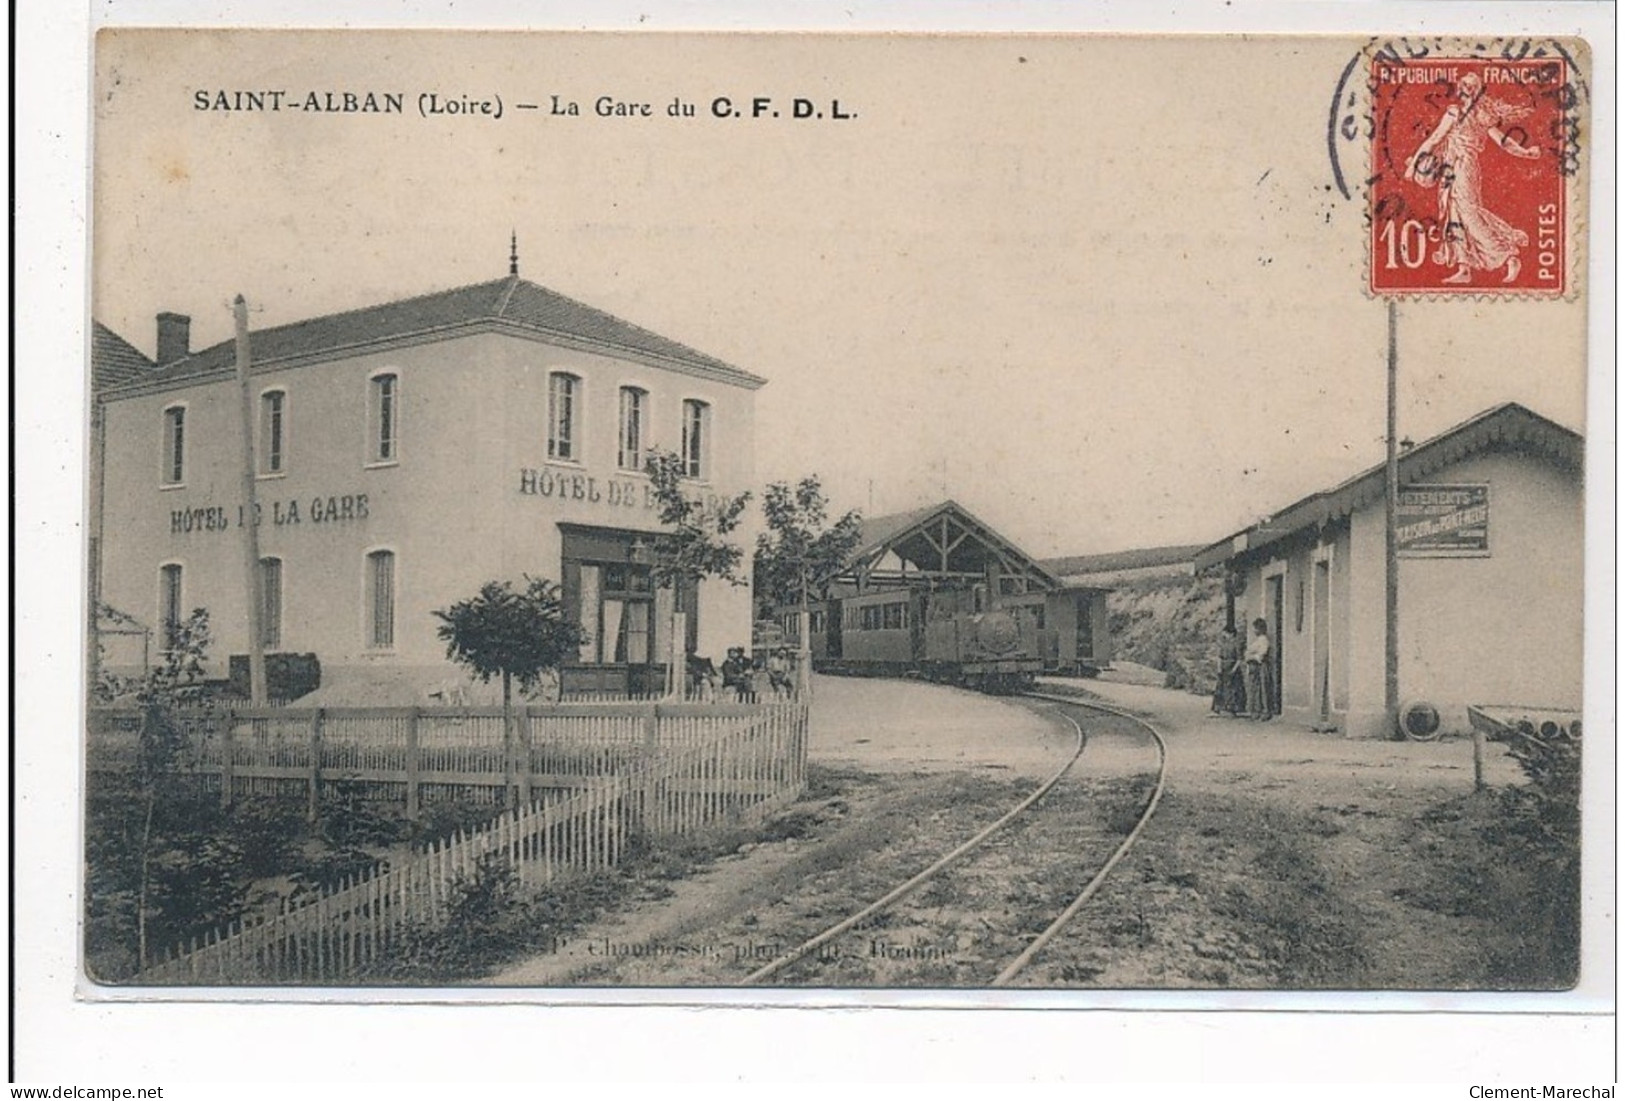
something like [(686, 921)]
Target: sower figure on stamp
[(1258, 672), (1471, 236)]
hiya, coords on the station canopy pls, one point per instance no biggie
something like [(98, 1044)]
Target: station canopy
[(939, 546)]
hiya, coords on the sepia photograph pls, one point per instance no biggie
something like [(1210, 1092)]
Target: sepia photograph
[(887, 512)]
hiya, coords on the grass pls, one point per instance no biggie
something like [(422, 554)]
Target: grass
[(492, 922), (1528, 898), (1262, 874)]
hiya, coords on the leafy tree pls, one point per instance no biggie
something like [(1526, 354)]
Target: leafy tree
[(155, 874), (696, 545), (801, 553), (517, 634)]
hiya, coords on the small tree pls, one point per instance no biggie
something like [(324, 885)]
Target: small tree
[(800, 554), (696, 546), (517, 634), (164, 854)]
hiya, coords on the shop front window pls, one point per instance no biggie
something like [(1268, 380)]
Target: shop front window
[(617, 614)]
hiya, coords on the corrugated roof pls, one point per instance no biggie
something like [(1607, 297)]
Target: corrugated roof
[(1508, 424), (511, 302), (1137, 559), (875, 531), (114, 360)]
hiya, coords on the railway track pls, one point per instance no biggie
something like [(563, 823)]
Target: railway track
[(809, 952)]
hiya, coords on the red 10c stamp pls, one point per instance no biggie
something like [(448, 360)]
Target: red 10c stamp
[(1470, 162)]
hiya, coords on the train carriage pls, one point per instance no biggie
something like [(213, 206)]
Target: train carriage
[(938, 594)]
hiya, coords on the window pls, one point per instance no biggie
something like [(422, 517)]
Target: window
[(562, 391), (631, 435), (696, 437), (175, 445), (386, 418), (816, 623), (169, 605), (617, 613), (884, 617), (273, 409), (381, 600), (271, 603)]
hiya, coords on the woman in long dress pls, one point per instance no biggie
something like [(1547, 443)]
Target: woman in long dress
[(1260, 673), (1472, 238), (1229, 692)]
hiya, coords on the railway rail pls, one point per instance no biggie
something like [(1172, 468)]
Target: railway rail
[(945, 864)]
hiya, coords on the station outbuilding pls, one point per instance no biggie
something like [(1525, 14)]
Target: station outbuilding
[(405, 454), (1491, 535)]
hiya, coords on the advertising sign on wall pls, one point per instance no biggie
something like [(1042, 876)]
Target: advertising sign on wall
[(1444, 521)]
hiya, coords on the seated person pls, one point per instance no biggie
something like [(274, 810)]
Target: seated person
[(779, 671), (736, 670), (702, 678)]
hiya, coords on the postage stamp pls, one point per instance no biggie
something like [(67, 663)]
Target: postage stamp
[(1470, 158)]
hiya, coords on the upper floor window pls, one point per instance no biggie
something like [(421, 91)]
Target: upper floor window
[(273, 431), (385, 415), (696, 437), (271, 603), (633, 402), (381, 600), (175, 445), (169, 605), (563, 396)]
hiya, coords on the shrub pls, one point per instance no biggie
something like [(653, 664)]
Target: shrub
[(1538, 833), (267, 833)]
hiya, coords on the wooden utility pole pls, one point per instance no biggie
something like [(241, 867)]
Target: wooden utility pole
[(253, 582), (1391, 499), (804, 643)]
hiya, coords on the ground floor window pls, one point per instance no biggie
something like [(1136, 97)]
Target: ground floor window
[(381, 600), (271, 603), (616, 613), (169, 605)]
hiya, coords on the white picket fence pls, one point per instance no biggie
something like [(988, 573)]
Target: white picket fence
[(415, 755), (738, 776)]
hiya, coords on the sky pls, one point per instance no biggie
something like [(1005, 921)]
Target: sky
[(1104, 292), (1066, 286)]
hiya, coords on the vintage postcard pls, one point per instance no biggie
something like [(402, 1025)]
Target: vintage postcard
[(582, 512)]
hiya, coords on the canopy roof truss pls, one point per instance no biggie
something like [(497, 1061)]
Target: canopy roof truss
[(939, 547)]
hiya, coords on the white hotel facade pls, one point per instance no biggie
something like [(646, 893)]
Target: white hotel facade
[(405, 454)]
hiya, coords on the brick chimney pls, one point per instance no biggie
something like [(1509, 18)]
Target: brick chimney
[(174, 337)]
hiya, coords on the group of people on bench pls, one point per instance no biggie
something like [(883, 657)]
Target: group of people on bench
[(740, 678)]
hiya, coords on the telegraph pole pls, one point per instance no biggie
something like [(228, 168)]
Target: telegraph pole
[(251, 535), (1391, 499)]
